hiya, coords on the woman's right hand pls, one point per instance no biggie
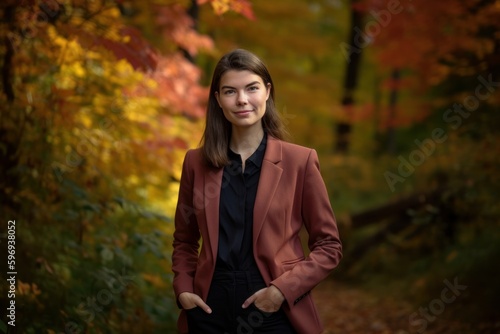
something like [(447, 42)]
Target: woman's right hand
[(190, 300)]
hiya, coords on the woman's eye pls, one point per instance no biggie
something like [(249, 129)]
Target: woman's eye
[(252, 88), (229, 91)]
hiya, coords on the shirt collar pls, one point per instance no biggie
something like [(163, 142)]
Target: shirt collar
[(256, 158)]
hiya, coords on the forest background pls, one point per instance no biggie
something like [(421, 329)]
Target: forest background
[(101, 99)]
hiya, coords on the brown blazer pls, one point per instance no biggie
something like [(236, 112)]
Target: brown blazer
[(291, 194)]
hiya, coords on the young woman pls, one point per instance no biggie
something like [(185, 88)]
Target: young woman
[(247, 193)]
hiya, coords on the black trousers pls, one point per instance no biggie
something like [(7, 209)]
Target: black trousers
[(228, 291)]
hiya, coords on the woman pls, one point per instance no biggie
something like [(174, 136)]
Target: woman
[(247, 193)]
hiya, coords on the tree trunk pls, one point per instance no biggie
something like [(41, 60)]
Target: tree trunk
[(377, 116), (353, 55), (194, 11), (9, 141), (391, 122)]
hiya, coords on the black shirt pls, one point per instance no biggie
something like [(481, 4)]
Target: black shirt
[(237, 199)]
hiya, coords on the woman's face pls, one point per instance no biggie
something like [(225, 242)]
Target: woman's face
[(242, 96)]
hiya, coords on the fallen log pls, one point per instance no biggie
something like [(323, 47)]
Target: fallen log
[(393, 217), (394, 208)]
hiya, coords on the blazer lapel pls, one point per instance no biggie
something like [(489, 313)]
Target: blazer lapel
[(211, 197), (270, 175)]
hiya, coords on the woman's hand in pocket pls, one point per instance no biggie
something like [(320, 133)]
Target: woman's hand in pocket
[(268, 299), (190, 300)]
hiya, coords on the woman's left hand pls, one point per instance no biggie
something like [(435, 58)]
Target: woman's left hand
[(268, 299)]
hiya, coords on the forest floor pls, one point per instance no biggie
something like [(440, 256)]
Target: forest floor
[(351, 310)]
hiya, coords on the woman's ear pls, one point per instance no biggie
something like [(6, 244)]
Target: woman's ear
[(268, 88)]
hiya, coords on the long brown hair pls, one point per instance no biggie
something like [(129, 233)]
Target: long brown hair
[(215, 140)]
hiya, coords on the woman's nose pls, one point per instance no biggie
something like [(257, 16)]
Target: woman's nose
[(242, 98)]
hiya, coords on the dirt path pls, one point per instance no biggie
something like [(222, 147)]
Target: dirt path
[(346, 310)]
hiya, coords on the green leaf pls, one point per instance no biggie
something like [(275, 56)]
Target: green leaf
[(121, 201), (3, 327)]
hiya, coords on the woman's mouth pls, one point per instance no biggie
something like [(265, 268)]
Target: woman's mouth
[(242, 112)]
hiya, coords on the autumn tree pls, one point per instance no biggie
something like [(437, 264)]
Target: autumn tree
[(443, 47), (99, 105)]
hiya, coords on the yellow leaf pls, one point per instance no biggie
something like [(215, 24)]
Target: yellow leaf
[(155, 280), (221, 6)]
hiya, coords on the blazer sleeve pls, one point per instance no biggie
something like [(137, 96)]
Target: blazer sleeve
[(186, 234), (324, 241)]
